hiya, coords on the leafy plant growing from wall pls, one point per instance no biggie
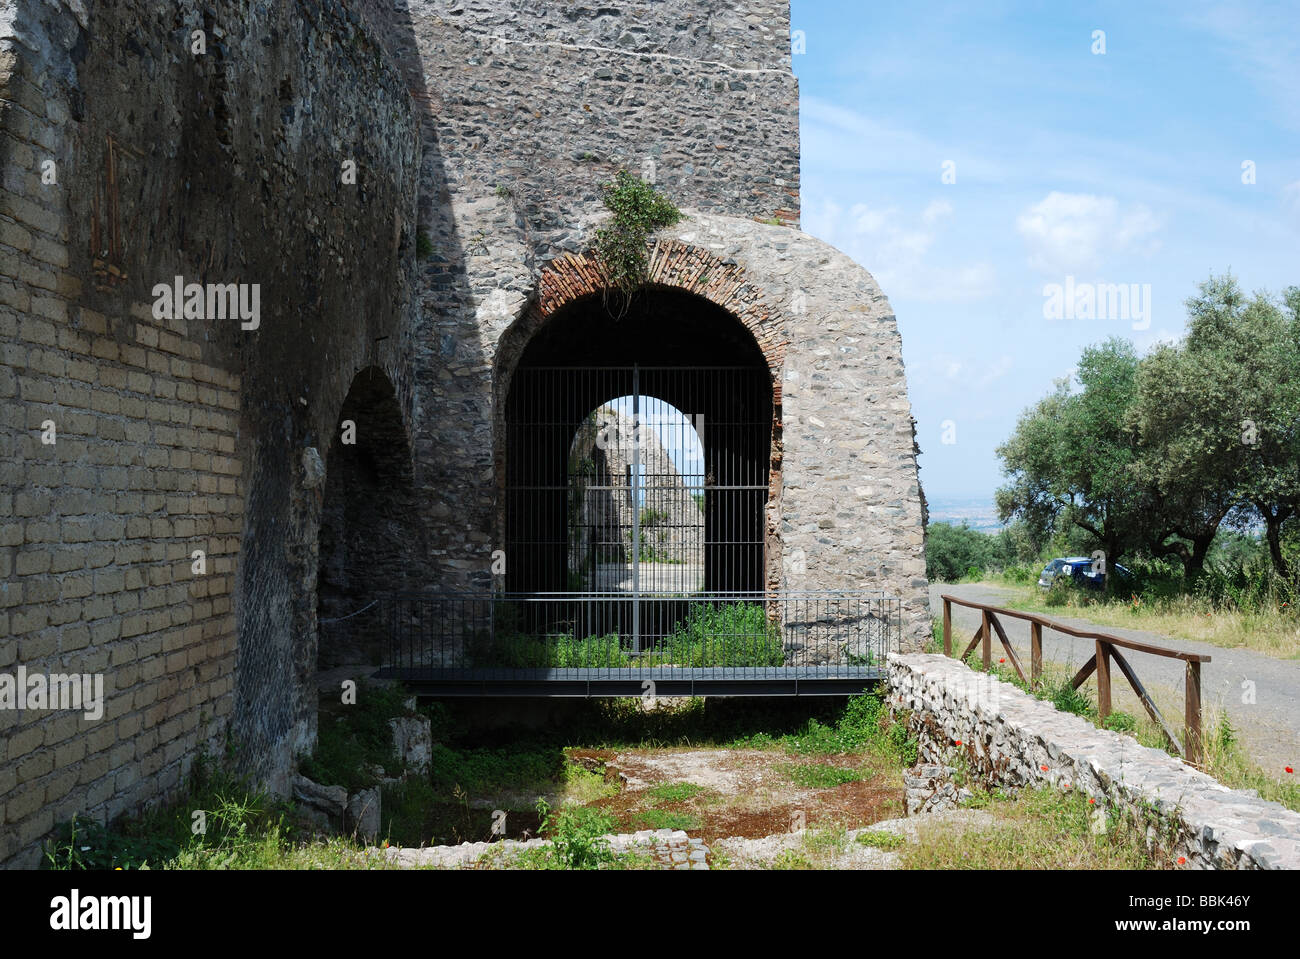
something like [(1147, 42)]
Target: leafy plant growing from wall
[(638, 211)]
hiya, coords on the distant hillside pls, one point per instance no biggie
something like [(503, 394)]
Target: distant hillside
[(977, 513)]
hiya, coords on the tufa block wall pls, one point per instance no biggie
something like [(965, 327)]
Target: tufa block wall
[(173, 435)]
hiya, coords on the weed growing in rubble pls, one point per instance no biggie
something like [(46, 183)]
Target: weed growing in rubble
[(577, 835)]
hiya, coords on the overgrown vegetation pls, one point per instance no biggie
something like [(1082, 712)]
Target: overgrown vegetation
[(863, 724), (247, 830), (352, 740), (577, 835), (638, 210), (733, 634), (223, 823), (1042, 828)]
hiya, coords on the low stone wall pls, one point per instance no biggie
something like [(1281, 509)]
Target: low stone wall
[(1011, 739)]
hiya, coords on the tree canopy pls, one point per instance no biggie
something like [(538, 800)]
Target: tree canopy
[(1153, 454)]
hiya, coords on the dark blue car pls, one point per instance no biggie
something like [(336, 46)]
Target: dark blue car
[(1080, 569)]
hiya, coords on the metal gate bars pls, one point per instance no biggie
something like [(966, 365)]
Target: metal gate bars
[(647, 481)]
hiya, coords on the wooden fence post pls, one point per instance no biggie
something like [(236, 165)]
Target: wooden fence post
[(1192, 714), (1035, 653), (947, 627), (1103, 681), (986, 636)]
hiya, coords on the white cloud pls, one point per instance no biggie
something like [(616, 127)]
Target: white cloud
[(952, 371), (937, 210), (1076, 232), (895, 247), (837, 134), (994, 371), (866, 220)]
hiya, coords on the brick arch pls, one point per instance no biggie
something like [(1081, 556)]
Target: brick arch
[(672, 264), (678, 265)]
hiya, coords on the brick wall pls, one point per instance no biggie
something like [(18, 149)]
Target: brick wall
[(185, 434), (97, 559)]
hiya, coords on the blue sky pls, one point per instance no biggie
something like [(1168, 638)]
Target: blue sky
[(1123, 167)]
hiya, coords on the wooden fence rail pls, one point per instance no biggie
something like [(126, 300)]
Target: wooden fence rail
[(1107, 652)]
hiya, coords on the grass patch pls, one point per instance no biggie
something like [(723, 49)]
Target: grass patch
[(792, 859), (862, 725), (878, 839), (675, 792), (1040, 829), (586, 786), (667, 819), (242, 828), (1271, 631), (523, 767), (816, 776)]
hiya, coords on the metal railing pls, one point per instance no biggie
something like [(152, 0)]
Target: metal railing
[(1106, 652), (618, 635)]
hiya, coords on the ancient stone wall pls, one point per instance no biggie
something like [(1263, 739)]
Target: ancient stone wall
[(130, 159), (1007, 738), (533, 105), (479, 132), (546, 100)]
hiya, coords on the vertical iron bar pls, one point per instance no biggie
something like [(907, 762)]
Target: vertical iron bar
[(636, 510)]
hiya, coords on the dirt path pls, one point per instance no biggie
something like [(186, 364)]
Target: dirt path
[(747, 793), (1269, 728)]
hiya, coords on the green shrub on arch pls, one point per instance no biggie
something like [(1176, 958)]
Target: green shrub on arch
[(638, 211)]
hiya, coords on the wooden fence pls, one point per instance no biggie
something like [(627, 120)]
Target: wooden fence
[(1107, 653)]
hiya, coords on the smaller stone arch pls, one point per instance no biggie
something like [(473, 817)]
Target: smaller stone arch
[(369, 532)]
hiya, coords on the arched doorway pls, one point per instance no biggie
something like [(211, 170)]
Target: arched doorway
[(367, 531), (673, 354), (636, 499)]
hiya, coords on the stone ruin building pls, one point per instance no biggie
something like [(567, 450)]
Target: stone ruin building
[(232, 231)]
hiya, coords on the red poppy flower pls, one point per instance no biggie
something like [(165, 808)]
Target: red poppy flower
[(1182, 860), (1043, 768)]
